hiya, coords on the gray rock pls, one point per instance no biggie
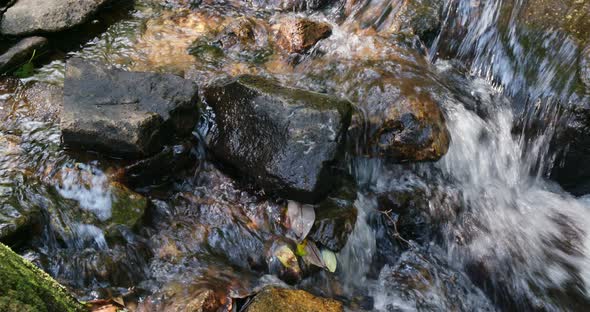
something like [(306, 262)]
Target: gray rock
[(17, 222), (22, 52), (585, 67), (287, 140), (572, 144), (46, 16), (125, 113)]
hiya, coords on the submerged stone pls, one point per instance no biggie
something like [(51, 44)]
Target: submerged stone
[(419, 17), (128, 207), (287, 140), (335, 219), (419, 281), (16, 224), (125, 113), (280, 299), (45, 16), (27, 288), (160, 167), (291, 5), (176, 296)]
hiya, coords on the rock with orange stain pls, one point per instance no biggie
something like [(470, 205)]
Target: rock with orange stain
[(280, 299), (298, 35)]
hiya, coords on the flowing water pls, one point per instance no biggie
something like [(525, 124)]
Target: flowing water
[(485, 228)]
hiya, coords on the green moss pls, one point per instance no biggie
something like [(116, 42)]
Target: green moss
[(128, 207), (313, 99), (26, 288)]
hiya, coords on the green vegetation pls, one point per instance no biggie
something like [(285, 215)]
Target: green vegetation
[(27, 288), (27, 69)]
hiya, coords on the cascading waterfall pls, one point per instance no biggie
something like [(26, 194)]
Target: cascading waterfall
[(519, 236), (490, 230)]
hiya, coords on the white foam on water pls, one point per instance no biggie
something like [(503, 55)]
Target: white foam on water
[(93, 194)]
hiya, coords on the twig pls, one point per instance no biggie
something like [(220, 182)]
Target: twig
[(396, 232)]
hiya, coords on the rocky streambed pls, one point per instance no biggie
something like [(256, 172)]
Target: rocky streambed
[(294, 155)]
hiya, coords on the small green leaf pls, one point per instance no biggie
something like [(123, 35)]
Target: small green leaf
[(300, 251), (26, 70), (330, 260)]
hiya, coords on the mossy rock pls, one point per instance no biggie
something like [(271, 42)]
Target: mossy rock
[(279, 299), (26, 288), (128, 207)]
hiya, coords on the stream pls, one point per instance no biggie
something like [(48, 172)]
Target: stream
[(487, 227)]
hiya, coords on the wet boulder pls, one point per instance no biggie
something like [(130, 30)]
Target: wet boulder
[(420, 281), (42, 16), (125, 113), (572, 145), (420, 17), (297, 35), (406, 123), (21, 52), (288, 141), (281, 299)]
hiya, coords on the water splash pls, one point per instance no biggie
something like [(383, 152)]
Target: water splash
[(89, 187)]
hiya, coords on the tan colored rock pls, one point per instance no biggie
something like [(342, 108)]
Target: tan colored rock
[(297, 35), (279, 299), (180, 297)]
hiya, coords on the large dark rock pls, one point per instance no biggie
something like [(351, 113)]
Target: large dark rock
[(21, 52), (125, 113), (45, 16), (572, 145), (287, 140)]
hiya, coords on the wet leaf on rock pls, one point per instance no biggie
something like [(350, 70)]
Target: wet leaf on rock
[(301, 218), (287, 258), (300, 251), (313, 255), (330, 260)]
